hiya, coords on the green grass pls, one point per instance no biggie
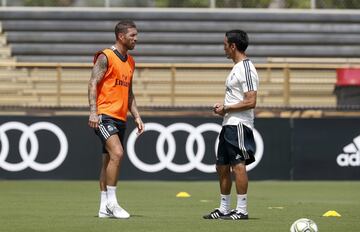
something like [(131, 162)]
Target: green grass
[(71, 206)]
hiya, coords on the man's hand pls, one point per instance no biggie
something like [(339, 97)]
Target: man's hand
[(140, 125), (219, 109), (93, 120)]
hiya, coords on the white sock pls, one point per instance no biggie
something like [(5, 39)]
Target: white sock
[(242, 203), (111, 194), (224, 203), (103, 201)]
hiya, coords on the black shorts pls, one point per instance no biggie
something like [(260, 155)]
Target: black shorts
[(236, 145), (109, 126)]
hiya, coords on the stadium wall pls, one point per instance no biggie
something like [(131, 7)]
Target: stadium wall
[(179, 148)]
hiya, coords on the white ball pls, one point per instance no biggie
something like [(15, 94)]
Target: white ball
[(304, 225)]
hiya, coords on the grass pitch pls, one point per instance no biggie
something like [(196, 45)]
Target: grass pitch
[(71, 206)]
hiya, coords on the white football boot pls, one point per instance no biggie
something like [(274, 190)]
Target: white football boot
[(104, 214), (116, 211)]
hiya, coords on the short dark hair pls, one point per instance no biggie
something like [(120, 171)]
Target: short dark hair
[(123, 26), (239, 38)]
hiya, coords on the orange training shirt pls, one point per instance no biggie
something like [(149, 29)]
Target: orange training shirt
[(113, 90)]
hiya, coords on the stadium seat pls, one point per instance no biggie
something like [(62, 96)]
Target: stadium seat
[(176, 36), (179, 36)]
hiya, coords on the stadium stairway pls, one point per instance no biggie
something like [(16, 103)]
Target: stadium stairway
[(5, 51), (179, 35)]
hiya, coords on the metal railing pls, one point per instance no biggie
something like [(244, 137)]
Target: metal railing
[(271, 4), (65, 84)]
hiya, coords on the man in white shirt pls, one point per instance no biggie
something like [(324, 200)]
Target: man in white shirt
[(236, 141)]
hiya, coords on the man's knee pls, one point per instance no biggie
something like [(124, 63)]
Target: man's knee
[(223, 170), (116, 155), (239, 168)]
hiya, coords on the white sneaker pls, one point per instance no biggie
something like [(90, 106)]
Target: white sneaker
[(116, 211), (104, 214)]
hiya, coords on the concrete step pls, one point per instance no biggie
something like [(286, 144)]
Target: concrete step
[(2, 39), (7, 59), (5, 51)]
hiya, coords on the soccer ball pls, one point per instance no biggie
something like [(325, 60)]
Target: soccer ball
[(304, 225)]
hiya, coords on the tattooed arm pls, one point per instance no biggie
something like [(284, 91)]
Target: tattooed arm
[(97, 74), (134, 111)]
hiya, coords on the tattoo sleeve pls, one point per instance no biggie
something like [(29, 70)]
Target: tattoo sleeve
[(97, 75)]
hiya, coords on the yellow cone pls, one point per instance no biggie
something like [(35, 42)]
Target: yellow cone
[(182, 194), (331, 213)]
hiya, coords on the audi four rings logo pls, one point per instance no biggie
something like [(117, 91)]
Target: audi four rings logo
[(195, 159), (29, 157)]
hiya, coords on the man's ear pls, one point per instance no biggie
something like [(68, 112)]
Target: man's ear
[(120, 36)]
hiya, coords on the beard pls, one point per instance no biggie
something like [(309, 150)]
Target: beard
[(130, 46)]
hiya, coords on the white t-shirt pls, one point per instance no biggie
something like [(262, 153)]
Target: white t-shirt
[(242, 78)]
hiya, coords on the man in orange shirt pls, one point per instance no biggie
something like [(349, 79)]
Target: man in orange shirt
[(110, 98)]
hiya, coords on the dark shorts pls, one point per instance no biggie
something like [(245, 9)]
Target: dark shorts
[(109, 126), (236, 145)]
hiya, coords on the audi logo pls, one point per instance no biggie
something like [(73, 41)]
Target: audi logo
[(29, 157), (195, 159)]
